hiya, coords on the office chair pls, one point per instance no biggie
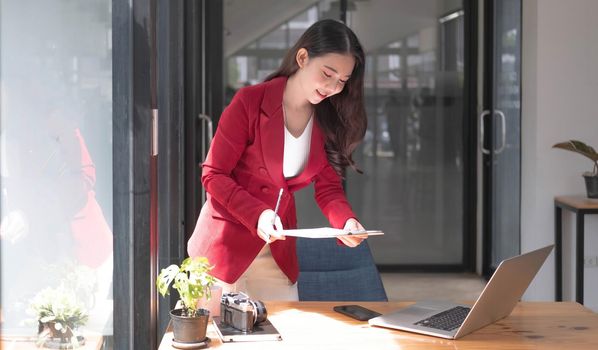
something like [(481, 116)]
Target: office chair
[(329, 272)]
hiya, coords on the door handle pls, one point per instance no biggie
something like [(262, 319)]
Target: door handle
[(207, 121), (503, 123), (154, 132), (482, 115)]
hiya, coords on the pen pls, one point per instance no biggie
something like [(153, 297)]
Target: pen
[(275, 211), (277, 205)]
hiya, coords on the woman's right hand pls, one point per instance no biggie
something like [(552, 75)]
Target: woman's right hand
[(268, 226)]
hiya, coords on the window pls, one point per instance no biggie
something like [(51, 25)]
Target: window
[(56, 161)]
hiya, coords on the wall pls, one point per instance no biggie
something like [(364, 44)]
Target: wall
[(559, 96)]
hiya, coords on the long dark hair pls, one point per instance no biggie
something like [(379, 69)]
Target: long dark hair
[(342, 116)]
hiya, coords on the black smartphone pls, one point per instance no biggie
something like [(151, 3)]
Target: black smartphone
[(356, 311)]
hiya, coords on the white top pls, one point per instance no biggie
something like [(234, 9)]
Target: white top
[(296, 151)]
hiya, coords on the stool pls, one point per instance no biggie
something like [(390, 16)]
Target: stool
[(580, 205)]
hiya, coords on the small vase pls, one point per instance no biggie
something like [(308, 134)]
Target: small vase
[(55, 339), (591, 186)]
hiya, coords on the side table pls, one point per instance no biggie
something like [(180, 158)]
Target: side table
[(580, 205)]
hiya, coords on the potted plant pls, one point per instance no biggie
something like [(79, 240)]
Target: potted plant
[(192, 282), (58, 314), (591, 177)]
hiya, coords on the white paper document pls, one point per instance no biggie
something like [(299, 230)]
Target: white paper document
[(328, 232)]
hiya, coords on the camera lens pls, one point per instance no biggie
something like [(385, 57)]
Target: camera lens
[(259, 311)]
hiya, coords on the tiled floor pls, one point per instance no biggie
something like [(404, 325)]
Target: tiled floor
[(432, 286)]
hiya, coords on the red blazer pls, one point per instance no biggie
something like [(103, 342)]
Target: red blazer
[(242, 175)]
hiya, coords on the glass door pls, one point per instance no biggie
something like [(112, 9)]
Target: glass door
[(500, 132), (414, 154)]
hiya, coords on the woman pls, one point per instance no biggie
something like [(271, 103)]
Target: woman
[(299, 126)]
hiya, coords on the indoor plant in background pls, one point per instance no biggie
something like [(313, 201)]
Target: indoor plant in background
[(58, 313), (192, 281), (591, 177)]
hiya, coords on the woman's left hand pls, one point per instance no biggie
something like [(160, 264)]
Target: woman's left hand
[(352, 241)]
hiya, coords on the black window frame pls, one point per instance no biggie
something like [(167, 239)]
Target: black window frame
[(133, 95)]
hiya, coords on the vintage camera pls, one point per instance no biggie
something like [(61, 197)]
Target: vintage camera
[(240, 312)]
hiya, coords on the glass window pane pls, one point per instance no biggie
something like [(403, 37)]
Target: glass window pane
[(412, 152), (276, 39), (56, 162)]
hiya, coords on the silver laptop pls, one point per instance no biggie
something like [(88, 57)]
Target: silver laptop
[(451, 321)]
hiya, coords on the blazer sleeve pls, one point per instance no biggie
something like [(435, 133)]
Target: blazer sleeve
[(229, 143), (330, 196)]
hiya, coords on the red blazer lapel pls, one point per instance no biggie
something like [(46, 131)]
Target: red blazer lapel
[(272, 129), (272, 138)]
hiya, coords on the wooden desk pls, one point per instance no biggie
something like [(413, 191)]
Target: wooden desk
[(580, 205), (313, 325)]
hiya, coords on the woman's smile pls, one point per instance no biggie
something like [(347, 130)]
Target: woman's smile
[(321, 95)]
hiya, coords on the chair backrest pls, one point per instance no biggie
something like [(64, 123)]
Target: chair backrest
[(331, 272)]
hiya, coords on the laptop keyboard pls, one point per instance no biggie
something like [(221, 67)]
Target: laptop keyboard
[(446, 320)]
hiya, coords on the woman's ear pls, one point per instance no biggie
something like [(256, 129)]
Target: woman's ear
[(302, 57)]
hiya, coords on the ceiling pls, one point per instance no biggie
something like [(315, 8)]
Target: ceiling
[(376, 22), (247, 20)]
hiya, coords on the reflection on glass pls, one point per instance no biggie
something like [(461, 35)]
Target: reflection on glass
[(56, 161)]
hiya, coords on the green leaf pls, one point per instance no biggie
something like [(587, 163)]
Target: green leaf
[(59, 305), (165, 278), (191, 280), (578, 147)]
